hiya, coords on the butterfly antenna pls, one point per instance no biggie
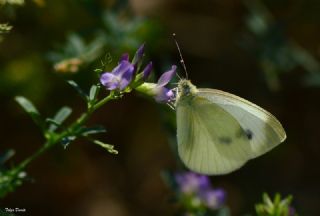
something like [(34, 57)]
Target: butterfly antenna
[(181, 58)]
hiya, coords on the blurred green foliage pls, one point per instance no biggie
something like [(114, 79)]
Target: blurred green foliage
[(5, 28), (12, 2), (118, 33), (107, 33), (276, 52), (5, 213), (276, 207), (10, 178)]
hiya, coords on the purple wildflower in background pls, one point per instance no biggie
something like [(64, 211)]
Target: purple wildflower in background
[(292, 211), (190, 182), (163, 94), (213, 198), (119, 78), (199, 187)]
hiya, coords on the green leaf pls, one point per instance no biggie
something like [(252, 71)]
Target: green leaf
[(85, 131), (26, 104), (4, 28), (94, 90), (98, 71), (52, 121), (267, 200), (60, 117), (78, 89), (31, 110), (10, 180), (275, 207), (108, 147), (6, 156), (76, 43)]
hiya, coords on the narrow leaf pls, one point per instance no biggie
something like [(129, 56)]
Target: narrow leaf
[(26, 105), (85, 131), (266, 199), (78, 89), (31, 110), (52, 121), (94, 90), (6, 156), (60, 117), (108, 147), (77, 43)]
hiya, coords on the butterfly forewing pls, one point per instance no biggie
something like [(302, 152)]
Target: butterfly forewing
[(263, 130)]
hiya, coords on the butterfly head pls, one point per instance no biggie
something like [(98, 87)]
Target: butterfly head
[(186, 88)]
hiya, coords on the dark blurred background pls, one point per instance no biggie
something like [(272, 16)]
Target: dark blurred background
[(264, 51)]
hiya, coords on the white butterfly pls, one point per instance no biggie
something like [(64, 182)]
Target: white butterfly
[(219, 132)]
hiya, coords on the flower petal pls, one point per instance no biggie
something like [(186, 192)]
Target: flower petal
[(167, 76), (190, 182), (204, 182), (147, 70), (126, 77), (220, 195), (138, 56), (122, 67), (214, 199), (109, 80), (124, 57), (163, 95)]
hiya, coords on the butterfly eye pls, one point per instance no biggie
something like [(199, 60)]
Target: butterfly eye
[(186, 90)]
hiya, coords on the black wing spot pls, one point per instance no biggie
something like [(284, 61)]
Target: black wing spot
[(245, 134), (249, 134), (225, 140)]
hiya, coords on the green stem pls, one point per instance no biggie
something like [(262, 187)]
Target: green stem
[(56, 138), (111, 96), (40, 151)]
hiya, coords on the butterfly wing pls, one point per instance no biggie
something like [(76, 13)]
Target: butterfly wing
[(210, 140), (261, 127)]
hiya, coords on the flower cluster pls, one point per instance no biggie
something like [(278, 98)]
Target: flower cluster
[(127, 73), (198, 190)]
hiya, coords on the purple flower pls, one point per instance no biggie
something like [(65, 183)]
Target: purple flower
[(292, 211), (120, 77), (213, 198), (163, 94), (147, 71), (190, 182), (139, 54), (124, 57), (199, 188)]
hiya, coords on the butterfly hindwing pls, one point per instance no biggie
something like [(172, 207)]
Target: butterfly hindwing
[(210, 140)]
